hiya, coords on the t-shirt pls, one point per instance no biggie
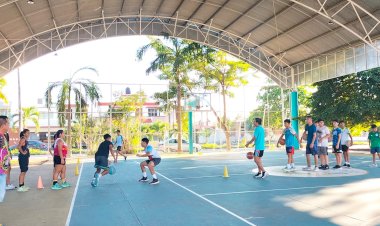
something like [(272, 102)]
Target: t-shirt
[(64, 148), (259, 135), (4, 155), (345, 136), (335, 133), (374, 137), (119, 140), (289, 136), (310, 133), (152, 152), (104, 149), (322, 132)]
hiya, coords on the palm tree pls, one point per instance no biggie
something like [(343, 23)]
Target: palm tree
[(28, 114), (69, 87), (220, 76), (175, 58), (2, 84)]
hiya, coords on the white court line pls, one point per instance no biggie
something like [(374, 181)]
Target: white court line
[(74, 197), (278, 189), (207, 200), (200, 177)]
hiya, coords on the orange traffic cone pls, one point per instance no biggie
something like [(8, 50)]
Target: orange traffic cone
[(39, 183)]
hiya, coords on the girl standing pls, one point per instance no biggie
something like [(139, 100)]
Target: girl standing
[(60, 152), (23, 159)]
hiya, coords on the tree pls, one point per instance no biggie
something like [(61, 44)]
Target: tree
[(353, 98), (269, 100), (69, 87), (175, 58), (2, 84), (28, 114), (220, 76)]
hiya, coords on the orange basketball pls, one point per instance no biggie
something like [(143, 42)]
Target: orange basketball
[(250, 155), (282, 142)]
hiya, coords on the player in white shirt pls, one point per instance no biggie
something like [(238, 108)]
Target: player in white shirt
[(346, 143), (153, 160)]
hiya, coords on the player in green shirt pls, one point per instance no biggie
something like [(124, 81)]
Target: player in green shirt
[(374, 143)]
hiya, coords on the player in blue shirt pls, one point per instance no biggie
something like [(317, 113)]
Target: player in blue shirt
[(290, 136), (259, 138), (337, 147), (153, 160), (311, 145)]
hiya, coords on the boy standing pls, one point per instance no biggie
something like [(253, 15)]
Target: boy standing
[(259, 138), (119, 144), (346, 143), (101, 159), (153, 161), (4, 156), (311, 144), (374, 143), (290, 134), (323, 134), (337, 147)]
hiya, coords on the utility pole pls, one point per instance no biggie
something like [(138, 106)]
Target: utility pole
[(19, 100)]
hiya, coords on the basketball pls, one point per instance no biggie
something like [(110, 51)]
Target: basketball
[(250, 155), (112, 170), (282, 142)]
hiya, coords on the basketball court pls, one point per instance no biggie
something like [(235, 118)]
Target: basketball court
[(194, 191)]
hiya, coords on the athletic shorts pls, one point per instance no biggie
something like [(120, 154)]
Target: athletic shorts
[(155, 160), (57, 160), (289, 150), (344, 148), (23, 161), (375, 150), (259, 153), (322, 150), (101, 162), (312, 151), (335, 150), (118, 148)]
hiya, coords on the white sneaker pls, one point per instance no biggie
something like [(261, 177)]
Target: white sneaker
[(373, 165), (10, 187), (316, 169), (306, 168)]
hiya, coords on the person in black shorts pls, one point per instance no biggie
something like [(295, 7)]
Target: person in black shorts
[(23, 159), (101, 159), (153, 160)]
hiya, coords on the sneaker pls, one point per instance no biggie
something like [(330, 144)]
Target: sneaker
[(65, 184), (337, 167), (93, 182), (26, 187), (316, 169), (257, 175), (373, 165), (348, 165), (265, 174), (56, 187), (327, 167), (10, 187), (306, 168), (125, 158), (322, 167), (345, 164), (22, 189), (143, 179), (154, 181), (292, 169)]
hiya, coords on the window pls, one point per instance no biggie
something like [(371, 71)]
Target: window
[(152, 112)]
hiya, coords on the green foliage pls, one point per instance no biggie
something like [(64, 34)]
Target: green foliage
[(28, 114), (32, 151), (354, 98), (210, 146), (269, 98)]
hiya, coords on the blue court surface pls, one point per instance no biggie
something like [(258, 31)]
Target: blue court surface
[(193, 191)]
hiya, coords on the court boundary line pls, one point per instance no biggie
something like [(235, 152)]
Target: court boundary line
[(210, 176), (68, 219), (269, 190), (207, 200)]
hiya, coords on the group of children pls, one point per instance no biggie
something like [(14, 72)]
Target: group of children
[(317, 136)]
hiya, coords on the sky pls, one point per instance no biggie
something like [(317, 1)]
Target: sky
[(115, 60)]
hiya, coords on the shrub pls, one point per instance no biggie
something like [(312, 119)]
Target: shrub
[(210, 146)]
